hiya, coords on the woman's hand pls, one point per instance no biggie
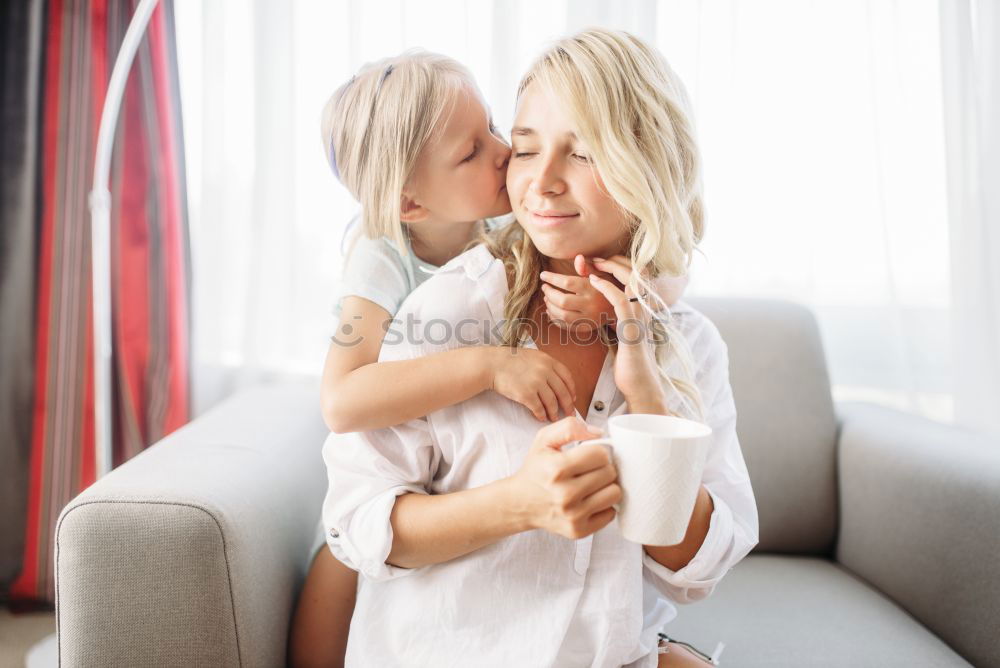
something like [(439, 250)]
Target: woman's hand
[(636, 371), (572, 302), (567, 493), (532, 378)]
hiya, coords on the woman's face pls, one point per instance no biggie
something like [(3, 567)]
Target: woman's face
[(555, 191)]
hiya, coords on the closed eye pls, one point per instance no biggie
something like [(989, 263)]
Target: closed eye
[(475, 152), (522, 154)]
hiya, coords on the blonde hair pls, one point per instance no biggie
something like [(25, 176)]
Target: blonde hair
[(376, 124), (632, 112)]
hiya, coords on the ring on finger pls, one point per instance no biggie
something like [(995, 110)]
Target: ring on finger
[(643, 297)]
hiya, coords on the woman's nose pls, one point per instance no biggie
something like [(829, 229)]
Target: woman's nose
[(547, 180)]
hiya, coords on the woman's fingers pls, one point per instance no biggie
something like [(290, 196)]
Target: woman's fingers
[(620, 270), (614, 296), (601, 500), (629, 314), (600, 520), (554, 436), (616, 260), (589, 467), (619, 266), (621, 259)]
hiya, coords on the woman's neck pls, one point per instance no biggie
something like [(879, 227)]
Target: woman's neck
[(436, 243)]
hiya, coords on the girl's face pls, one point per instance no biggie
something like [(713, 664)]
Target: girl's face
[(555, 191), (460, 175)]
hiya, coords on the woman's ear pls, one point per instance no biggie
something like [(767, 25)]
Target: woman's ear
[(410, 211)]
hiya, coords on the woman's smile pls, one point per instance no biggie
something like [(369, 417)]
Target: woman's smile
[(550, 218)]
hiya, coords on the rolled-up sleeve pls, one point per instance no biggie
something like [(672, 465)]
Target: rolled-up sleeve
[(366, 472), (733, 528)]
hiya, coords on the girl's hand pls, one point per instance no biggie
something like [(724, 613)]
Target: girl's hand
[(636, 371), (573, 303), (569, 493), (532, 378)]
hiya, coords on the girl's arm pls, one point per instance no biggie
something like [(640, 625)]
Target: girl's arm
[(359, 393)]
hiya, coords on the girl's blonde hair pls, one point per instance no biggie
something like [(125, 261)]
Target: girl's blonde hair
[(633, 114), (375, 126)]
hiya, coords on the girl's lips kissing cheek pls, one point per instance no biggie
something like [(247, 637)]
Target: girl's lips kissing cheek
[(549, 218)]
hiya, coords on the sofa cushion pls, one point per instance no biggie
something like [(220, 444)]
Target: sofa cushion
[(777, 610), (919, 507), (785, 419)]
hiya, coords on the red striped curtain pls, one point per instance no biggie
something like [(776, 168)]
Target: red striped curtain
[(150, 263)]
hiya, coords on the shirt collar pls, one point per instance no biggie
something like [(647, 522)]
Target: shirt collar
[(488, 273)]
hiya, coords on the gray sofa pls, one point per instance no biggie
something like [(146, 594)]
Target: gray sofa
[(879, 531)]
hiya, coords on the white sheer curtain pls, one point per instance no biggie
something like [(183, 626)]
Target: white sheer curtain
[(970, 40), (821, 127)]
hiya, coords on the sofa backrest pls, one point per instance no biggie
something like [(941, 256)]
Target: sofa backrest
[(785, 419)]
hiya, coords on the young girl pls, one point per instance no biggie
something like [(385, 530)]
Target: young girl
[(412, 139)]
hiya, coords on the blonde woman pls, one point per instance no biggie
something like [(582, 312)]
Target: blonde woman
[(412, 139), (481, 541)]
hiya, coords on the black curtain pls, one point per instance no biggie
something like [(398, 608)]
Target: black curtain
[(21, 67)]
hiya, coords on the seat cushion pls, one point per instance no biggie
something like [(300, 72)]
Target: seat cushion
[(776, 610)]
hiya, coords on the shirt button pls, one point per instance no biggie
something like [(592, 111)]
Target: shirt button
[(334, 533), (598, 405)]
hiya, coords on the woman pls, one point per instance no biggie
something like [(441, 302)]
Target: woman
[(481, 540)]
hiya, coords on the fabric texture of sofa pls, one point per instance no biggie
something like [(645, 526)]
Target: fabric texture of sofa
[(879, 531)]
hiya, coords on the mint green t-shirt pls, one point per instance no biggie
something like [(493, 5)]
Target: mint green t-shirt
[(376, 270)]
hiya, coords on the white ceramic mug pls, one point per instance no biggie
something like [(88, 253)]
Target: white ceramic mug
[(660, 460)]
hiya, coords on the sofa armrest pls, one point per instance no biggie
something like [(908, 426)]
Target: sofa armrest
[(920, 521), (191, 552)]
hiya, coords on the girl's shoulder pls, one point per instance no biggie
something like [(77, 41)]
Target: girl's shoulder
[(377, 270), (360, 247)]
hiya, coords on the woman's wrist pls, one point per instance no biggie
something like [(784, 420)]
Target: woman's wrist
[(509, 501), (435, 528), (651, 402)]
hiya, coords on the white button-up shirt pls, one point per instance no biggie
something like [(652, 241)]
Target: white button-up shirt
[(534, 598)]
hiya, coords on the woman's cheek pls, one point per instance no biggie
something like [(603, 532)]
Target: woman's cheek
[(514, 188)]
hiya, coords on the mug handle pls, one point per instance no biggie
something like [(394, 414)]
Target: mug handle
[(611, 445)]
